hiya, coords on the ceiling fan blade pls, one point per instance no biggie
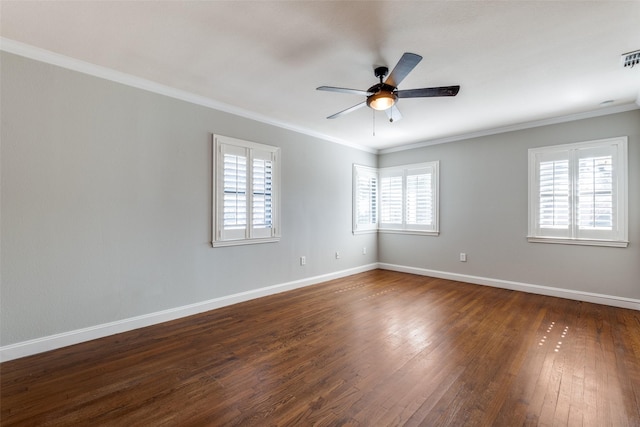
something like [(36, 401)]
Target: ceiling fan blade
[(343, 90), (348, 110), (403, 68), (429, 92), (393, 113)]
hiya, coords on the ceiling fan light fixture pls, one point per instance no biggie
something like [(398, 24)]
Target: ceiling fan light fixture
[(384, 95), (382, 100)]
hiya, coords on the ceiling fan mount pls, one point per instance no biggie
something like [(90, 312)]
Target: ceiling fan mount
[(383, 96), (381, 72)]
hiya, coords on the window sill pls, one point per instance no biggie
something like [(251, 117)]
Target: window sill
[(369, 231), (416, 232), (583, 242), (239, 242)]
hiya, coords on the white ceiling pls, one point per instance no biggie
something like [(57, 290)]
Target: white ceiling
[(516, 62)]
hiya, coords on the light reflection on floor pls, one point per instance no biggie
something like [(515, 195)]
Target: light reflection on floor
[(558, 345)]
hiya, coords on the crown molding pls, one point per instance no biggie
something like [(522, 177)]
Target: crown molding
[(520, 126), (46, 56)]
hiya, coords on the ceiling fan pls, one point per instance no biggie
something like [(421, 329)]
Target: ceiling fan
[(384, 95)]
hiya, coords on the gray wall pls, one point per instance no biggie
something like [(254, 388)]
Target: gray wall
[(106, 204), (483, 212)]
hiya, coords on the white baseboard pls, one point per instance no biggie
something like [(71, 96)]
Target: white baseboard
[(52, 342), (614, 301)]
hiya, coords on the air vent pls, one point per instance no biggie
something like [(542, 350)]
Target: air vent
[(631, 59)]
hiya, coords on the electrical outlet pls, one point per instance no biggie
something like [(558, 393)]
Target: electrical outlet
[(463, 257), (337, 255), (364, 250), (303, 260)]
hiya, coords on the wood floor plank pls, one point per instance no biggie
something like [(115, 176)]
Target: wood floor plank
[(379, 348)]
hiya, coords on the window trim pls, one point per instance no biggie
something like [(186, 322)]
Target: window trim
[(251, 149), (620, 184)]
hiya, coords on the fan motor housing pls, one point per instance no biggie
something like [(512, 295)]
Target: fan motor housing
[(381, 87)]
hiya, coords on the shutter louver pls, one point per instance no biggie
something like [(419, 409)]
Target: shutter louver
[(554, 211), (235, 192), (391, 200), (262, 193), (367, 191), (595, 193), (419, 200), (365, 199)]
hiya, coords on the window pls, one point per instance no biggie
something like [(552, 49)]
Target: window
[(408, 199), (246, 192), (401, 199), (578, 193)]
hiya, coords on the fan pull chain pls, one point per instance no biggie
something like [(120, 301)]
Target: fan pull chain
[(374, 121)]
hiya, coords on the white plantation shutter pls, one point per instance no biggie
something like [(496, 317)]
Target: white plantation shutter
[(246, 192), (409, 198), (554, 193), (595, 208), (402, 199), (391, 199), (365, 199), (597, 189), (234, 185), (577, 192), (262, 191), (419, 198)]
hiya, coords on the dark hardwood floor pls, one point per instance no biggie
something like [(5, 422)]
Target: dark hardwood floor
[(375, 349)]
